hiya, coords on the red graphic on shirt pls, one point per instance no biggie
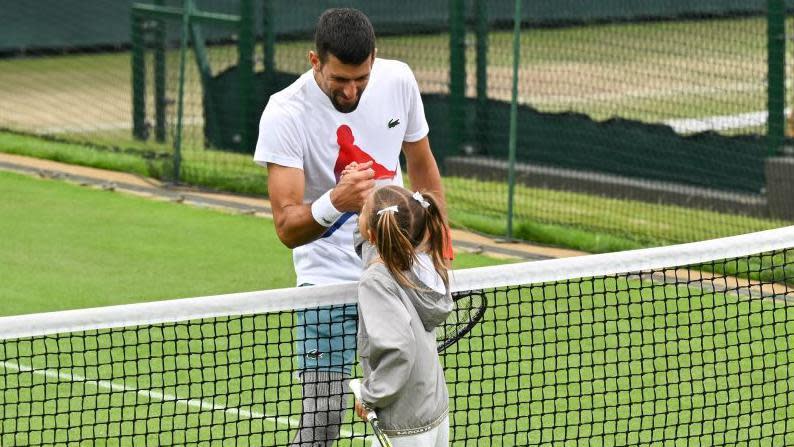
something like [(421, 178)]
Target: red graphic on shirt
[(349, 152)]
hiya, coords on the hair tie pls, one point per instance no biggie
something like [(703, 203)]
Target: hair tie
[(419, 198), (388, 209)]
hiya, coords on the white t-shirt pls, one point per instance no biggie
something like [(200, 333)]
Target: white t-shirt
[(300, 128)]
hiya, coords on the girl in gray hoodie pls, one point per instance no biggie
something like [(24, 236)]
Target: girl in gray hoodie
[(403, 296)]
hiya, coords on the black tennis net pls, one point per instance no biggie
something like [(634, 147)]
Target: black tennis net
[(684, 345)]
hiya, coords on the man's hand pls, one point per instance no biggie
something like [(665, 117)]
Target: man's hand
[(355, 184)]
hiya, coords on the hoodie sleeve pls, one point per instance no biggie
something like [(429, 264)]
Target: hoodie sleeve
[(391, 340)]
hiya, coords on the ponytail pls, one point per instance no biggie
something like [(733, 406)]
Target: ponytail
[(436, 232), (396, 250)]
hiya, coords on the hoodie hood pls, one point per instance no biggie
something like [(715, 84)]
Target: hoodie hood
[(432, 306)]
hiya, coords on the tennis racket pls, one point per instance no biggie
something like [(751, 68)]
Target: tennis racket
[(469, 308), (355, 387)]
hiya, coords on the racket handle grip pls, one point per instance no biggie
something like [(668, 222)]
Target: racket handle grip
[(355, 387)]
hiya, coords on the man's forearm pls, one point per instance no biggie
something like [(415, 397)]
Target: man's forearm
[(296, 226), (424, 175), (298, 223)]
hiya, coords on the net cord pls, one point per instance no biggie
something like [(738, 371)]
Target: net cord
[(261, 302)]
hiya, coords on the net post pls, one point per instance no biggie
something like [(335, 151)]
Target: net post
[(457, 72), (511, 173), (138, 76), (776, 76)]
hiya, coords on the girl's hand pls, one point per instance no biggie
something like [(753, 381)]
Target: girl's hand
[(361, 411), (355, 166)]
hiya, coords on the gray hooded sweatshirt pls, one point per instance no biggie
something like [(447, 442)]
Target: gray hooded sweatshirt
[(404, 381)]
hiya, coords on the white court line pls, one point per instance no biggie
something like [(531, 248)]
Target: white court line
[(155, 395), (721, 122), (643, 93)]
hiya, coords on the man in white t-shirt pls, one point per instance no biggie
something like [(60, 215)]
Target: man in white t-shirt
[(351, 110)]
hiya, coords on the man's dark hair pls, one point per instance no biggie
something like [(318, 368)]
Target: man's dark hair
[(347, 34)]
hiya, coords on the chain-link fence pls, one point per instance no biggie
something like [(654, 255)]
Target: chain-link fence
[(640, 125), (662, 122)]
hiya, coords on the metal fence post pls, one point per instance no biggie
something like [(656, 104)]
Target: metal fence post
[(159, 78), (483, 130), (246, 69), (457, 73), (511, 173), (187, 11), (269, 26), (776, 77), (139, 130)]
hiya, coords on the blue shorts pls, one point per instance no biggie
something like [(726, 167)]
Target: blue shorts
[(326, 338)]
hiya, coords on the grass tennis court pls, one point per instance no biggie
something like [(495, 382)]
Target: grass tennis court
[(70, 247), (623, 360), (667, 360)]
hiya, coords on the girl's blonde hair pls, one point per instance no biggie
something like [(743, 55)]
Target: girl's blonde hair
[(399, 233)]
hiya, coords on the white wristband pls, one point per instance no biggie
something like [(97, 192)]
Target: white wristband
[(323, 210)]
